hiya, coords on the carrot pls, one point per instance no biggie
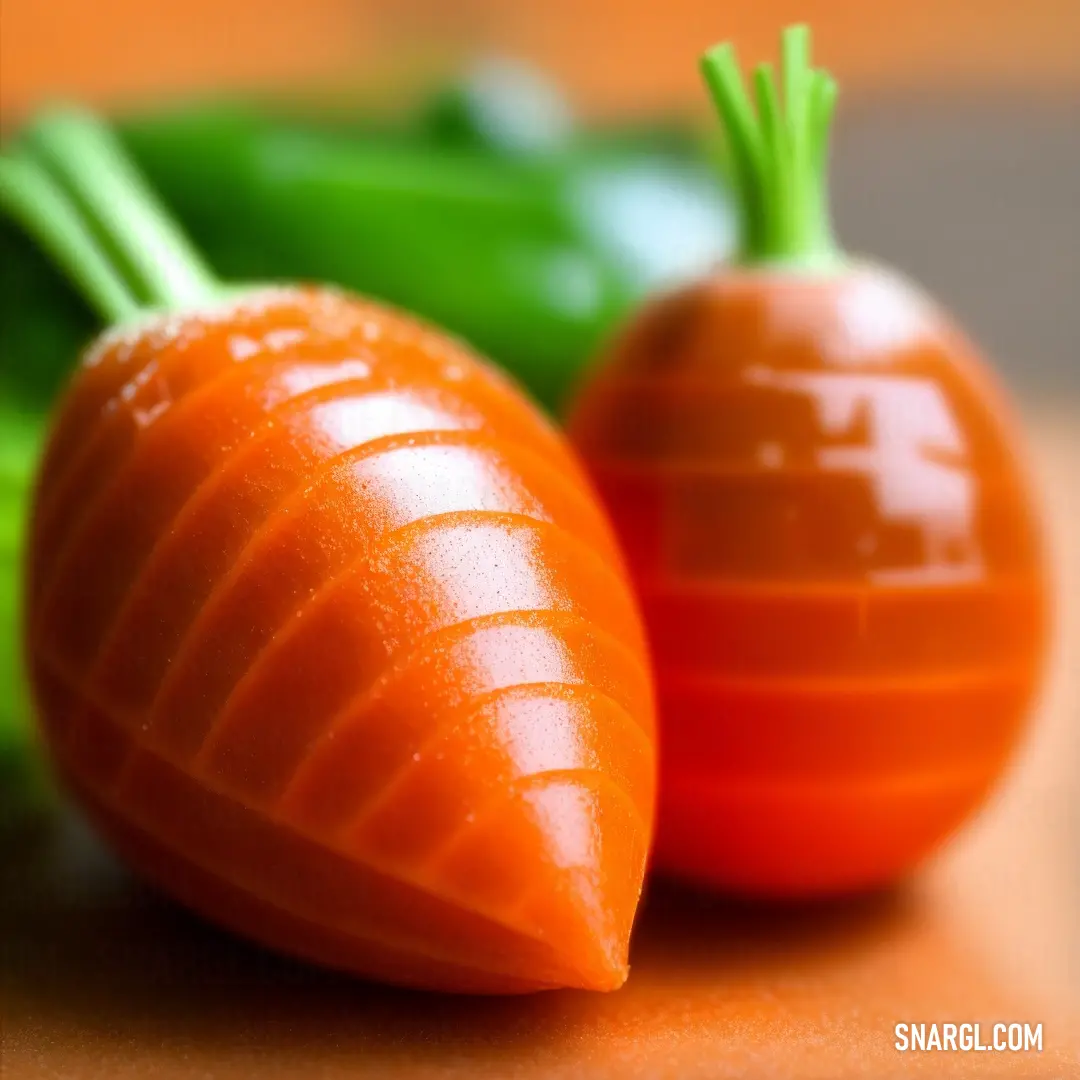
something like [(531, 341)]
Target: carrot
[(326, 630), (818, 488)]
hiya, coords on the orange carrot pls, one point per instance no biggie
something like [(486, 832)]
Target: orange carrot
[(326, 630), (817, 486)]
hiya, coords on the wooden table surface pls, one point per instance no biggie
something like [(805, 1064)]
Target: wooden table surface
[(102, 980)]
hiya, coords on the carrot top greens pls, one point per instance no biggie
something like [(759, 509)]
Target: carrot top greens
[(68, 183), (778, 152)]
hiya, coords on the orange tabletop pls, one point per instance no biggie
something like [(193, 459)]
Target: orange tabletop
[(102, 980)]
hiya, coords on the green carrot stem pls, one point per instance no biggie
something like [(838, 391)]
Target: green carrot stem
[(84, 159), (29, 196), (779, 154)]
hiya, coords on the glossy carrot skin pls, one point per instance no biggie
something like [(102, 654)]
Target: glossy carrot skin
[(331, 638), (817, 488)]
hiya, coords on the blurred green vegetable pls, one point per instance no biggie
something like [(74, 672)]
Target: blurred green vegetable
[(531, 257), (20, 438), (484, 210), (43, 325), (18, 452)]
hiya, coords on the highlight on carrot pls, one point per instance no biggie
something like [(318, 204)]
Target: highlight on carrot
[(820, 492), (326, 631)]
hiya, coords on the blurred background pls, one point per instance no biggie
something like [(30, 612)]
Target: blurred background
[(613, 54)]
